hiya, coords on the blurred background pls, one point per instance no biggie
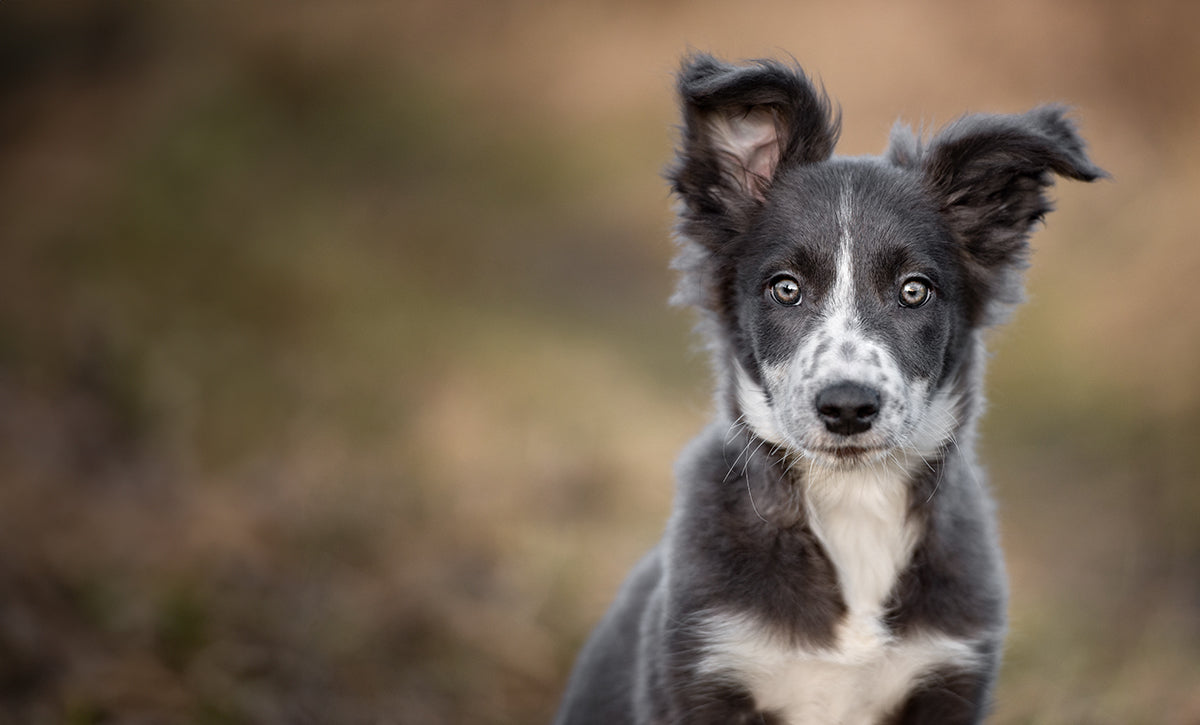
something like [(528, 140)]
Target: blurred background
[(338, 382)]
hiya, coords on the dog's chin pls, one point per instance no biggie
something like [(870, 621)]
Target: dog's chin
[(825, 451), (844, 454), (846, 457)]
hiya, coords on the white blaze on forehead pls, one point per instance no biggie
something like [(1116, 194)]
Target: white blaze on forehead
[(839, 349), (841, 300)]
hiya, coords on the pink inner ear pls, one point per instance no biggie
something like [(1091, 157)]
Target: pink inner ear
[(750, 139)]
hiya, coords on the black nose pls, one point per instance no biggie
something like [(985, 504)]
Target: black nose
[(847, 408)]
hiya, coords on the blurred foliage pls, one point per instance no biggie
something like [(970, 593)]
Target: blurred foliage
[(337, 382)]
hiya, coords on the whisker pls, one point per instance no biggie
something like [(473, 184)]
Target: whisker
[(753, 505), (734, 428), (738, 458), (754, 453), (937, 484)]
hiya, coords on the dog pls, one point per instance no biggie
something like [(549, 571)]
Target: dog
[(832, 554)]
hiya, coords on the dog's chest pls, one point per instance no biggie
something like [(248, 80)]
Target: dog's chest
[(862, 522), (857, 682)]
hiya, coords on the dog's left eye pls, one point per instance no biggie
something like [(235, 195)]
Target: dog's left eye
[(785, 290), (915, 292)]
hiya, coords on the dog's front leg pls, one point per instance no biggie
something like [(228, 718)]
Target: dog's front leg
[(682, 690), (959, 698), (717, 704)]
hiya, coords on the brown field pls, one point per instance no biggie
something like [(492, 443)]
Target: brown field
[(338, 383)]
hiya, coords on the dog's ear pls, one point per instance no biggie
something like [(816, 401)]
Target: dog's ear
[(741, 125), (989, 174)]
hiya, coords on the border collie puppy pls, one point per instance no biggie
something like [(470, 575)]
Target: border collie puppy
[(831, 556)]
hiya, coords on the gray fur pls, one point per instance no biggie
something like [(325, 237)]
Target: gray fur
[(741, 541)]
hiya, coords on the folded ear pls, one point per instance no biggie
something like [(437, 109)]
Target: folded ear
[(741, 125), (989, 175)]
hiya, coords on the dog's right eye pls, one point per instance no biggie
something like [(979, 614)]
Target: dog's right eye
[(785, 290)]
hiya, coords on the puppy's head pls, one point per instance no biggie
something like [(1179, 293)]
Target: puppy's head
[(841, 295)]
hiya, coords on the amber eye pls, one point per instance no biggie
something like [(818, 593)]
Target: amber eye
[(915, 292), (785, 290)]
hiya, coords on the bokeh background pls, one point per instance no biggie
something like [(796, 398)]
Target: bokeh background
[(338, 382)]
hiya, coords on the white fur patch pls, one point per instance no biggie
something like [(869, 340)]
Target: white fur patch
[(861, 517), (842, 305), (834, 686), (756, 409), (933, 427)]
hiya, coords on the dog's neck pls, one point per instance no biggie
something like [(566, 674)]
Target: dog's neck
[(864, 520), (867, 519)]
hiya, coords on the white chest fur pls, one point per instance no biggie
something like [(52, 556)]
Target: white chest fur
[(861, 518), (825, 687)]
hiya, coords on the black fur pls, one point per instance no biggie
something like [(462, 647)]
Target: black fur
[(988, 174), (761, 193)]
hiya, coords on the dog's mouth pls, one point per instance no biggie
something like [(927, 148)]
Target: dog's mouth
[(848, 451), (848, 455)]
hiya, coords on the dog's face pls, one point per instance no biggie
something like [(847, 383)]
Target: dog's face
[(844, 293), (848, 295)]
